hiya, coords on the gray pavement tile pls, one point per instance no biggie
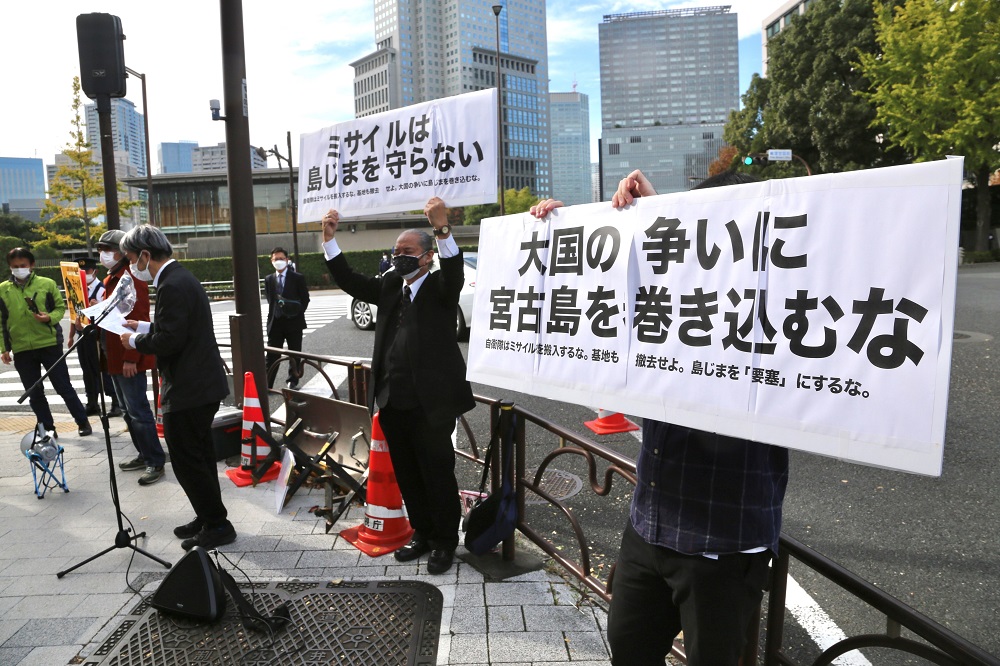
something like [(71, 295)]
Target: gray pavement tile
[(254, 543), (13, 655), (468, 620), (55, 606), (447, 595), (59, 631), (562, 618), (446, 615), (284, 560), (305, 542), (518, 594), (444, 649), (40, 566), (50, 656), (292, 574), (104, 605), (468, 649), (8, 602), (91, 583), (8, 627), (328, 559), (469, 595), (508, 647), (509, 618), (586, 645)]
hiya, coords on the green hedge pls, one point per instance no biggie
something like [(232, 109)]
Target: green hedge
[(311, 264)]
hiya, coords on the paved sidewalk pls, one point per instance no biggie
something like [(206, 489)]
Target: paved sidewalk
[(529, 619)]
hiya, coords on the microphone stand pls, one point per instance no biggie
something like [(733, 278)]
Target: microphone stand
[(124, 538)]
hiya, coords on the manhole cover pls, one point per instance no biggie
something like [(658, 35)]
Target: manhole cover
[(561, 485), (385, 623)]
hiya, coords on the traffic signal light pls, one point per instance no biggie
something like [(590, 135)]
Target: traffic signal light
[(102, 55), (755, 160)]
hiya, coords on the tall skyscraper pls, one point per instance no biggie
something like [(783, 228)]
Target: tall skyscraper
[(21, 178), (669, 79), (127, 130), (176, 157), (429, 49), (570, 134)]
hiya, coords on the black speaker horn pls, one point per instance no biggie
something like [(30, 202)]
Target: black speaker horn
[(192, 589), (102, 55)]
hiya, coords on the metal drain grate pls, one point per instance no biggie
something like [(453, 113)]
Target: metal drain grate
[(561, 485), (350, 623)]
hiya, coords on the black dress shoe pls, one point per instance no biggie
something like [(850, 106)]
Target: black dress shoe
[(440, 561), (211, 538), (188, 530), (84, 430), (93, 410), (411, 551), (115, 412)]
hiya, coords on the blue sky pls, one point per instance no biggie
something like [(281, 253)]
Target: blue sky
[(298, 64)]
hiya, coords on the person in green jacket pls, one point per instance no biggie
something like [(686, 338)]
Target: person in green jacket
[(30, 309)]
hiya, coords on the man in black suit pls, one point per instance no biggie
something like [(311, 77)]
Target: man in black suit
[(182, 338), (287, 300), (418, 375)]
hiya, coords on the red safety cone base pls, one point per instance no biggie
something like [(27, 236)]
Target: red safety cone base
[(611, 424), (244, 477), (359, 538)]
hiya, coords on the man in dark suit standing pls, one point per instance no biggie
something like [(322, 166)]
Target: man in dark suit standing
[(194, 381), (287, 300), (418, 375)]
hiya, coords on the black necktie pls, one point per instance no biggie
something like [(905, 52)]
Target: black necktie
[(281, 283), (405, 302)]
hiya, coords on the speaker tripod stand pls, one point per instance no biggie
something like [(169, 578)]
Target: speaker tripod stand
[(123, 538)]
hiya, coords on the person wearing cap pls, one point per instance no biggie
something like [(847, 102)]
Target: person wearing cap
[(30, 309), (182, 337), (128, 368), (88, 349)]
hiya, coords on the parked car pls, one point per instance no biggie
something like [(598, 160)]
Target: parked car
[(364, 315)]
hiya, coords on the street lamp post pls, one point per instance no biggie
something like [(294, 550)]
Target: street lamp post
[(149, 164), (496, 15), (293, 200)]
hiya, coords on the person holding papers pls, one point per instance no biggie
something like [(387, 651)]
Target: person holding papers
[(418, 375), (182, 338), (128, 367), (704, 524)]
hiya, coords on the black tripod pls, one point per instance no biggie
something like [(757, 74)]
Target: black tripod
[(123, 539)]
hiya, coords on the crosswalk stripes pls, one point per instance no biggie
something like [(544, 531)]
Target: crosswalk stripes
[(323, 309)]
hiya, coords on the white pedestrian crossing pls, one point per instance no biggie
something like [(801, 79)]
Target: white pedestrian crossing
[(323, 309)]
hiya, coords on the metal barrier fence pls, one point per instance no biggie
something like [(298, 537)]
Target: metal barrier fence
[(942, 646)]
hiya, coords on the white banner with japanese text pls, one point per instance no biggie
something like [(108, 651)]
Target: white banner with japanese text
[(812, 313), (395, 161)]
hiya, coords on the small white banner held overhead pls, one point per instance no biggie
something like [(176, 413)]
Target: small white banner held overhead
[(395, 161), (813, 313)]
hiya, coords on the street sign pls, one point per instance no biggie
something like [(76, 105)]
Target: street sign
[(779, 155)]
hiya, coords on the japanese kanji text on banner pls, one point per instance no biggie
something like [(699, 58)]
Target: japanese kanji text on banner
[(813, 313), (395, 161)]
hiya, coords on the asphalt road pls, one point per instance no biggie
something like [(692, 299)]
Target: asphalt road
[(930, 542)]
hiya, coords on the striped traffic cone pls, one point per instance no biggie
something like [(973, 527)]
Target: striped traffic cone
[(252, 415), (386, 527), (609, 423)]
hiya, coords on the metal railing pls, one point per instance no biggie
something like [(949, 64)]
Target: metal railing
[(942, 645)]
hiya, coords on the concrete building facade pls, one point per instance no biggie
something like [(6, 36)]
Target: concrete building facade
[(570, 139)]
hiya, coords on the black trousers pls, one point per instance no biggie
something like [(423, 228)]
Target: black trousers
[(90, 364), (423, 458), (657, 592), (29, 364), (282, 331), (189, 439)]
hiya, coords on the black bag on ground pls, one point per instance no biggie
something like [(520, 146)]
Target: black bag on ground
[(493, 519)]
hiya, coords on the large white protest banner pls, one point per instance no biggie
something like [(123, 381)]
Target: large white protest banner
[(395, 161), (813, 313)]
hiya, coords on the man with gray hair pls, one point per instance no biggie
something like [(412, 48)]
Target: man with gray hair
[(194, 380)]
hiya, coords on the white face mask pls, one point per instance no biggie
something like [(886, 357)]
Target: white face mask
[(108, 259), (91, 277), (279, 264), (21, 273), (143, 274)]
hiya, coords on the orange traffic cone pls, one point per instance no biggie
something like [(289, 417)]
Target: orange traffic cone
[(386, 527), (609, 423), (159, 412), (252, 415)]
